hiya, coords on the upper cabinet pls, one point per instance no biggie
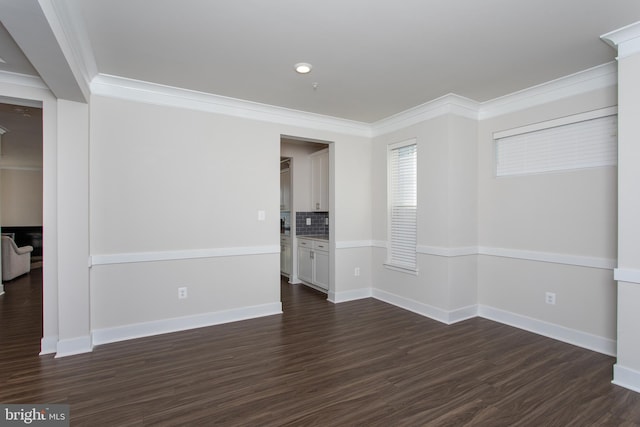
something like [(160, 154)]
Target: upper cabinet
[(320, 180), (285, 190)]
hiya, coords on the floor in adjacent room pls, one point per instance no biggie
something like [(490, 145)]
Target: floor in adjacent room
[(363, 362)]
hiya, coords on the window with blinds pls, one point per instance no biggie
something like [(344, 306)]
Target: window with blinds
[(582, 141), (403, 197)]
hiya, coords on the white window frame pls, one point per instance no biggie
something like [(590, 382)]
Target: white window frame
[(391, 261)]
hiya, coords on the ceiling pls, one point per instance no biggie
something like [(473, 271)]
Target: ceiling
[(371, 58), (21, 143)]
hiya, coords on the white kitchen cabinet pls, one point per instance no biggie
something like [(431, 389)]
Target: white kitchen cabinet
[(285, 190), (285, 255), (305, 260), (313, 262), (320, 180), (321, 268)]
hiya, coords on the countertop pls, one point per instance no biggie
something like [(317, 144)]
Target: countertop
[(324, 237)]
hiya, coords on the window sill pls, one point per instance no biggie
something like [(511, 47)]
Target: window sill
[(406, 270)]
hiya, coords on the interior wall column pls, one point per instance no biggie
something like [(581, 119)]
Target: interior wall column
[(73, 229), (626, 371)]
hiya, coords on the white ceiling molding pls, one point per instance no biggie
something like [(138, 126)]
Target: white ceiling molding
[(625, 39), (68, 28), (22, 168), (599, 77), (22, 80), (585, 81), (152, 93), (447, 104), (42, 43)]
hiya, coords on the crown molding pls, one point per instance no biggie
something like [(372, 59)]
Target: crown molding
[(626, 39), (22, 168), (153, 93), (447, 104), (598, 77), (71, 35), (18, 79)]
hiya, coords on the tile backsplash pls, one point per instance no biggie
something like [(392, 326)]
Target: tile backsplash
[(318, 223)]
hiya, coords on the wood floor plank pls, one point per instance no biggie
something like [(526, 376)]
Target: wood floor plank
[(357, 363)]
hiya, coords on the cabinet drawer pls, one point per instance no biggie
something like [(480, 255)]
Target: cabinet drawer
[(305, 243), (285, 240), (321, 245)]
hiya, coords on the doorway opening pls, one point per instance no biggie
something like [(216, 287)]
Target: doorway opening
[(21, 221), (305, 213)]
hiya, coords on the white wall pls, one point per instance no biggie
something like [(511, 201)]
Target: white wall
[(174, 180), (567, 217), (447, 219), (73, 228), (21, 197), (351, 217), (494, 246), (174, 199)]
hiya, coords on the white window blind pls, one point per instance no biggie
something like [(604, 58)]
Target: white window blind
[(581, 144), (403, 205)]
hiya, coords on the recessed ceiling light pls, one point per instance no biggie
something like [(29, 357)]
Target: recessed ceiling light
[(303, 68)]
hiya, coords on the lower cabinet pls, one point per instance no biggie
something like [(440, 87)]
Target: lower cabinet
[(285, 255), (305, 264), (313, 263), (321, 269)]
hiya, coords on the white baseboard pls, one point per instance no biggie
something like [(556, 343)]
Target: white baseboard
[(48, 345), (464, 313), (445, 316), (560, 333), (626, 377), (551, 330), (139, 330), (72, 346), (338, 297)]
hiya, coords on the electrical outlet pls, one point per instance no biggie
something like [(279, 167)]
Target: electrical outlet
[(326, 221), (308, 222), (356, 271), (182, 293), (550, 298)]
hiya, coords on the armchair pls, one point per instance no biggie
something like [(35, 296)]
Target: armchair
[(15, 261)]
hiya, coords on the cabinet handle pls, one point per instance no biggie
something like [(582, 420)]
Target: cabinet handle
[(317, 206), (311, 254)]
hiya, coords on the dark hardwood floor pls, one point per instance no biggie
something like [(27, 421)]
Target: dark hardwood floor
[(356, 363)]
